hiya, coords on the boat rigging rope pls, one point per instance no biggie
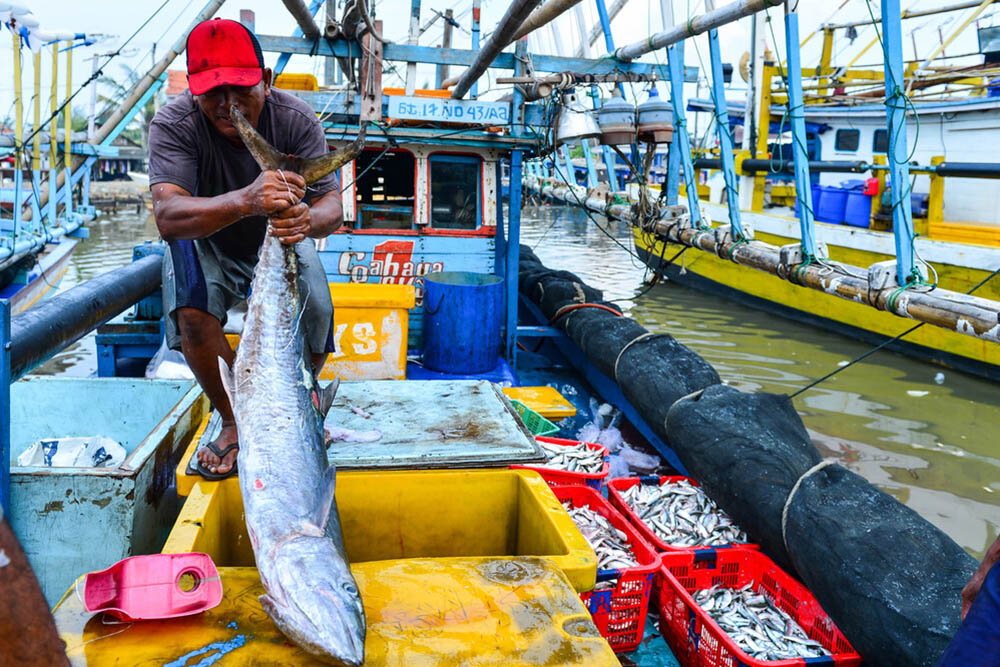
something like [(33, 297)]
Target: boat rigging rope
[(576, 306), (97, 73), (884, 344), (791, 494)]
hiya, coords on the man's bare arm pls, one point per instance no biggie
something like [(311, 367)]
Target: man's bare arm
[(182, 216)]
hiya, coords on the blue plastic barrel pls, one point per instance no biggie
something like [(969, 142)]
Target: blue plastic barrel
[(462, 319), (858, 211), (832, 203)]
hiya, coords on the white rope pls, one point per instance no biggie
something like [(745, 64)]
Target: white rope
[(629, 344), (791, 494)]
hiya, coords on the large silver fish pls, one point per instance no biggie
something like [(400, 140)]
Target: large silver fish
[(287, 484)]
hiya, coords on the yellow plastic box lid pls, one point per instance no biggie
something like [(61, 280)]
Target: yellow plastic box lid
[(422, 612), (388, 515), (546, 401)]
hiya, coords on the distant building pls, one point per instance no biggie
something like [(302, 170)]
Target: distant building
[(131, 157)]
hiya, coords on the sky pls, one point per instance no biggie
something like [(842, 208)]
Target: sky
[(166, 21)]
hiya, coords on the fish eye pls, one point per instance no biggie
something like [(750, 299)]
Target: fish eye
[(350, 588)]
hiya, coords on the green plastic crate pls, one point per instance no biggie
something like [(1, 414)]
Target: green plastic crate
[(537, 424)]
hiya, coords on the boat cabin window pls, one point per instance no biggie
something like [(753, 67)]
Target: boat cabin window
[(385, 189), (880, 142), (455, 195), (847, 141)]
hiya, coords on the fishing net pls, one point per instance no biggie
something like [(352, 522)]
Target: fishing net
[(653, 371), (747, 451), (889, 578)]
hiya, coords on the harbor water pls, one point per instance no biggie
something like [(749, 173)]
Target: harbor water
[(922, 433)]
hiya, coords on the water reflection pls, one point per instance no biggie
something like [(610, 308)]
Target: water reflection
[(112, 238), (931, 445)]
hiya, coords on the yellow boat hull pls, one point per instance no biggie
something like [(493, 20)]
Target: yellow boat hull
[(705, 271)]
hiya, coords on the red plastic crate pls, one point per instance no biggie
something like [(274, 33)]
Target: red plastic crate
[(615, 488), (697, 640), (556, 477), (619, 614)]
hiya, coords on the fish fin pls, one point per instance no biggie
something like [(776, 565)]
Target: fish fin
[(309, 529), (267, 157), (314, 168), (326, 395), (271, 606), (228, 382), (326, 497)]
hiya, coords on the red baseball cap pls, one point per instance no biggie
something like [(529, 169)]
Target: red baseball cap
[(222, 52)]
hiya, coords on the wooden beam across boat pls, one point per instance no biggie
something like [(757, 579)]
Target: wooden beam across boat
[(954, 311)]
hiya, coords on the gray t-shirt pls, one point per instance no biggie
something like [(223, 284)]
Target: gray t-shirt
[(185, 149)]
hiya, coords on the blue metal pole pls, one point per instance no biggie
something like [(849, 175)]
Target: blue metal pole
[(795, 111), (513, 255), (474, 91), (570, 171), (606, 152), (673, 180), (517, 102), (609, 40), (500, 250), (5, 410), (675, 64), (283, 59), (899, 168), (591, 167), (725, 138)]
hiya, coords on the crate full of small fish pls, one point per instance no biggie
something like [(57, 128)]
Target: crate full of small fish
[(626, 566), (674, 513), (571, 463), (737, 607)]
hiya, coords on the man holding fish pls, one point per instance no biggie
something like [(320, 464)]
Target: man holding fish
[(213, 205)]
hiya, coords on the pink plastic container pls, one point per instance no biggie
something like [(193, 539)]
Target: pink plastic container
[(154, 586)]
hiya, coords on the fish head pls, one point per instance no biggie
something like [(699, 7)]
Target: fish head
[(315, 600)]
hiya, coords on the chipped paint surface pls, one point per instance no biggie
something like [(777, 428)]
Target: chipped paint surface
[(55, 511)]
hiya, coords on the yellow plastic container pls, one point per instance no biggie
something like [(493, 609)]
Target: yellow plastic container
[(418, 514), (455, 612), (295, 81), (546, 401), (371, 325)]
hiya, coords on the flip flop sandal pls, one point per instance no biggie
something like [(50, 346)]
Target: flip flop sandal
[(215, 476)]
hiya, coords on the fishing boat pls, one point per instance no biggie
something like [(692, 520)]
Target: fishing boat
[(949, 120), (460, 352)]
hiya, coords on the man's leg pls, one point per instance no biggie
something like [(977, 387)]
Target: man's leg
[(203, 342), (318, 316)]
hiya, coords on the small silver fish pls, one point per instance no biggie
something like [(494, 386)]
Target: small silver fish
[(571, 458), (609, 544), (682, 515), (762, 630)]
